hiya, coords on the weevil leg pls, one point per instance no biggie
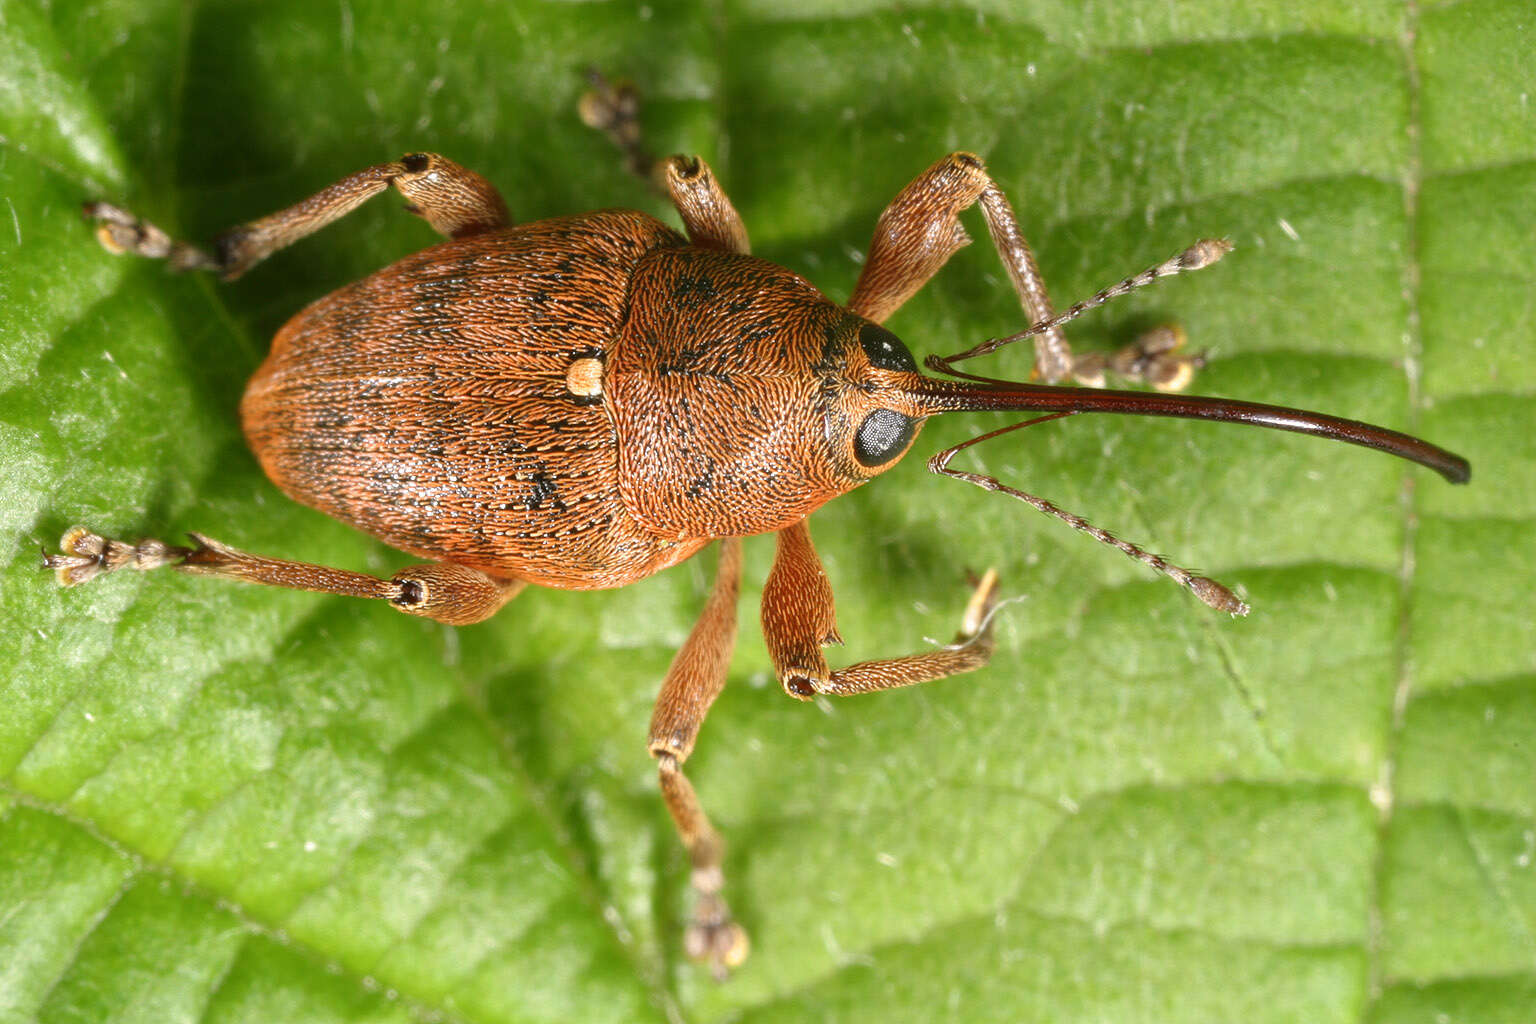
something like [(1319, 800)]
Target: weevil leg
[(453, 199), (711, 221), (694, 680), (920, 230), (613, 108), (448, 593), (797, 611), (798, 621)]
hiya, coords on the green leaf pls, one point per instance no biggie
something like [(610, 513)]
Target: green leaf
[(226, 803)]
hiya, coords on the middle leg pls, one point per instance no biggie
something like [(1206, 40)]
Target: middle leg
[(694, 680), (708, 216), (798, 621)]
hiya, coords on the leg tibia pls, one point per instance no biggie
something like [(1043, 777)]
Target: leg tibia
[(798, 621), (693, 682), (453, 199), (971, 649), (920, 230)]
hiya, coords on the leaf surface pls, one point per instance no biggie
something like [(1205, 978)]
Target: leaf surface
[(223, 803)]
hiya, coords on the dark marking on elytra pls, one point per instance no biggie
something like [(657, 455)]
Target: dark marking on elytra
[(705, 481), (507, 445), (545, 489)]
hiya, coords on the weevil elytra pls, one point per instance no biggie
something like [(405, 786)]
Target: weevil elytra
[(582, 402)]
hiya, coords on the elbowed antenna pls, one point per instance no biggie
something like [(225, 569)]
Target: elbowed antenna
[(978, 394)]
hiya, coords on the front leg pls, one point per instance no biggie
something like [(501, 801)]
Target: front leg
[(920, 230), (797, 613), (798, 621)]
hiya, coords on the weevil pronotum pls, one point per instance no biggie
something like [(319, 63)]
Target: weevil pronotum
[(582, 402)]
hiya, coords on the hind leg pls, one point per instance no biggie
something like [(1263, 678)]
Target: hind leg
[(453, 199), (448, 593)]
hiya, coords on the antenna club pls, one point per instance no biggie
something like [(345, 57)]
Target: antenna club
[(1203, 253), (1216, 595)]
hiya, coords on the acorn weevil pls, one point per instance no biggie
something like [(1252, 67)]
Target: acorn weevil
[(584, 401)]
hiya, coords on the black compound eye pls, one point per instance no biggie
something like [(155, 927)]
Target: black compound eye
[(885, 350), (884, 434)]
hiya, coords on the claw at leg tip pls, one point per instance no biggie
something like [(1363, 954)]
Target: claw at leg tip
[(108, 241), (80, 557), (722, 946)]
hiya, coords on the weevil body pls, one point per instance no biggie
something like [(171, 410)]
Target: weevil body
[(575, 403), (582, 402)]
